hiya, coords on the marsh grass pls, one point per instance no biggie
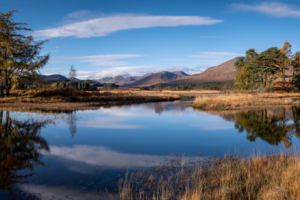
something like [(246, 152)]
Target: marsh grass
[(61, 97), (274, 176), (244, 101)]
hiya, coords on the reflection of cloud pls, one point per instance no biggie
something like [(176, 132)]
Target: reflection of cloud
[(49, 192), (102, 156), (213, 126), (104, 26), (145, 110), (109, 123)]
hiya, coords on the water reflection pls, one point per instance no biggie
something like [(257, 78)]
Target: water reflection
[(20, 146), (274, 126), (72, 123)]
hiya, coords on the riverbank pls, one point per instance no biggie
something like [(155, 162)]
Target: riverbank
[(68, 99), (236, 101)]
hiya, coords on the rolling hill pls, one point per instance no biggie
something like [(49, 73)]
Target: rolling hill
[(222, 72), (160, 77), (53, 77), (120, 80)]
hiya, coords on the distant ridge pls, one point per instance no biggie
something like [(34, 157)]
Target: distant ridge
[(120, 80), (160, 77), (223, 72), (53, 77)]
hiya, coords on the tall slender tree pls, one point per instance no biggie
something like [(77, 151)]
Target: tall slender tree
[(20, 59)]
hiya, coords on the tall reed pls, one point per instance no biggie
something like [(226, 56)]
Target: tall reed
[(274, 176)]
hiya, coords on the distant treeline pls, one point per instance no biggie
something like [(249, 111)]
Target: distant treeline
[(222, 85)]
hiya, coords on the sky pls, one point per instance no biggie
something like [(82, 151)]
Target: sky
[(107, 38)]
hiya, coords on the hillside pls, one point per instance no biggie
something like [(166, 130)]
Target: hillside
[(53, 77), (105, 80), (222, 72), (160, 77)]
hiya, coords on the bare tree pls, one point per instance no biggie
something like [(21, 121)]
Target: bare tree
[(72, 73)]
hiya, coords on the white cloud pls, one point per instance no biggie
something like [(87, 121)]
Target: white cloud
[(189, 70), (98, 60), (103, 26), (216, 55), (269, 8), (124, 71)]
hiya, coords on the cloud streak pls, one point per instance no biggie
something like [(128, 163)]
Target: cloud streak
[(103, 26), (270, 8), (216, 55), (98, 60)]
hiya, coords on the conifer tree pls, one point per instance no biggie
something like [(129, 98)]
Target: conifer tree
[(19, 54)]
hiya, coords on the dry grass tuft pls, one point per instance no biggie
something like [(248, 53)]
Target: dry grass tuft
[(244, 101), (232, 177)]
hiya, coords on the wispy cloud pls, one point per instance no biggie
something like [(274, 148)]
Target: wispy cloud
[(103, 26), (124, 71), (270, 8), (216, 55), (98, 60), (189, 70)]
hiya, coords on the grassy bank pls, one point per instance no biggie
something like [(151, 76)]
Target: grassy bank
[(68, 99), (245, 101), (232, 177), (181, 93)]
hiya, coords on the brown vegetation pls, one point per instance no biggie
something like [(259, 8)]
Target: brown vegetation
[(232, 177), (283, 87), (245, 101), (67, 97)]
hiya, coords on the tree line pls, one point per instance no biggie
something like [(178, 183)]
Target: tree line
[(261, 70)]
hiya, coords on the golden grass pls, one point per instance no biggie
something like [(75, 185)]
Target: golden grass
[(232, 177), (179, 92), (244, 101), (66, 97)]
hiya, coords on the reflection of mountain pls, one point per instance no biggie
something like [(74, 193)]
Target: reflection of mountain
[(20, 146), (274, 125)]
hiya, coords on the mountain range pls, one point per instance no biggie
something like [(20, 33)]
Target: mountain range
[(222, 72)]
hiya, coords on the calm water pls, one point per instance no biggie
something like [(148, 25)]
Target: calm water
[(83, 154)]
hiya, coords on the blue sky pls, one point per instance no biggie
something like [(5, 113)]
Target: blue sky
[(104, 38)]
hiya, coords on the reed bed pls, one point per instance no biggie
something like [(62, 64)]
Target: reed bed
[(68, 95), (273, 176), (244, 101)]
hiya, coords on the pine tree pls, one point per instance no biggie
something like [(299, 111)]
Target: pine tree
[(19, 54)]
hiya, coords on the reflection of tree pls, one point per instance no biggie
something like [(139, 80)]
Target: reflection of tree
[(158, 107), (72, 123), (268, 125), (20, 147)]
